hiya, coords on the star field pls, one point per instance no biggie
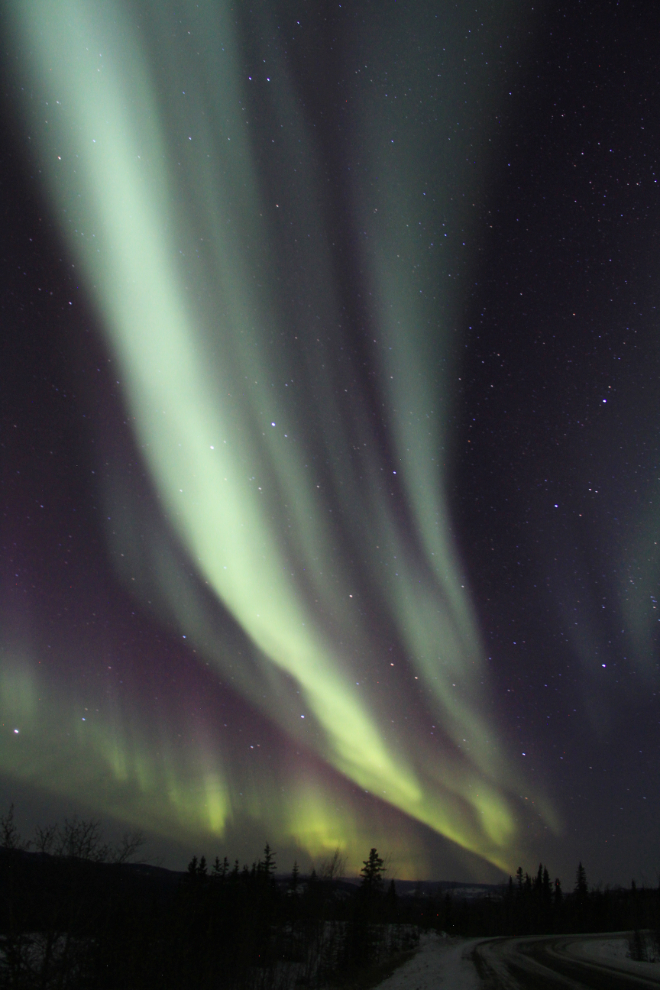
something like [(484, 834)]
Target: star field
[(330, 452)]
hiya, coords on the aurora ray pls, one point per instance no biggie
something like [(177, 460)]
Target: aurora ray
[(307, 494)]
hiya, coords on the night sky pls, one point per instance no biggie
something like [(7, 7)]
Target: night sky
[(330, 431)]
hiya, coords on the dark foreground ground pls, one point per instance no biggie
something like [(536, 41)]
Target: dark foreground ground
[(70, 922)]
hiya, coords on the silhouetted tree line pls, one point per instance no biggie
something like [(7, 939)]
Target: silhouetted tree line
[(75, 913), (531, 905)]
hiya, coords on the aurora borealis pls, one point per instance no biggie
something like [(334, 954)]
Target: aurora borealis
[(262, 605)]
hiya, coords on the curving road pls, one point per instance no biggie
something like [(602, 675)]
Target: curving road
[(562, 962)]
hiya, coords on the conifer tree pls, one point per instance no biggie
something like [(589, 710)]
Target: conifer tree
[(295, 878), (546, 887), (269, 863), (220, 870), (519, 879), (538, 882), (372, 871)]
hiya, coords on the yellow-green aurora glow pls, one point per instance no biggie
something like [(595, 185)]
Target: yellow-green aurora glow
[(208, 255)]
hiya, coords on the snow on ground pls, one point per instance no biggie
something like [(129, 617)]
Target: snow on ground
[(612, 951), (605, 949), (440, 964)]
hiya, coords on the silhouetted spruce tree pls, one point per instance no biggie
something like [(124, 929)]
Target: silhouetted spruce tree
[(546, 894), (558, 895), (372, 872), (538, 882), (294, 882), (220, 870), (580, 900), (269, 863), (360, 946), (581, 888), (634, 910), (545, 884)]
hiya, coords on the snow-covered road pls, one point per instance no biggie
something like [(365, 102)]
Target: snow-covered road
[(440, 964), (572, 962)]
